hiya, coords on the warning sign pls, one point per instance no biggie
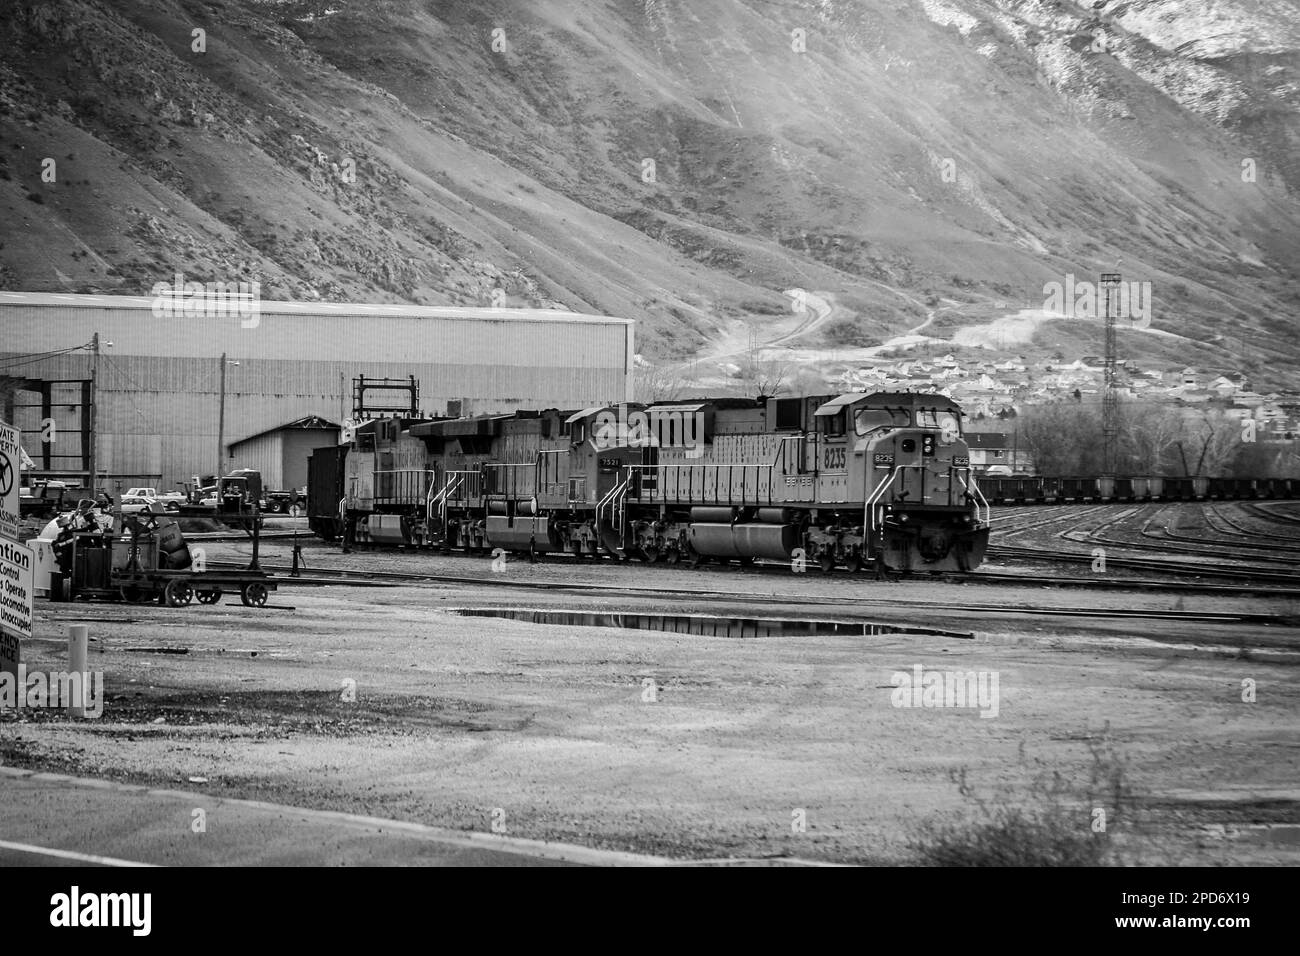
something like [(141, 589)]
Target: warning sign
[(10, 463), (16, 565)]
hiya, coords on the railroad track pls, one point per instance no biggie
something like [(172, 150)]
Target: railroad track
[(1272, 514), (368, 578), (1174, 547), (1239, 572), (1171, 534), (1239, 530)]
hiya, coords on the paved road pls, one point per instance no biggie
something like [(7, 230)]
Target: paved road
[(56, 820)]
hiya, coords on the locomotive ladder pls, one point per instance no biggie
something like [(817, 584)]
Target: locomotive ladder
[(614, 504), (977, 496), (869, 518), (440, 499)]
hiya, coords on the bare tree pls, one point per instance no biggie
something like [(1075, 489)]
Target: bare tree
[(1063, 438), (655, 383), (769, 377), (1148, 439), (1217, 440)]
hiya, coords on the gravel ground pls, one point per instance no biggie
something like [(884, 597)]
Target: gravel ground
[(549, 729)]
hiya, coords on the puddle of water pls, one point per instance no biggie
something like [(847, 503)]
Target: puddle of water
[(707, 626)]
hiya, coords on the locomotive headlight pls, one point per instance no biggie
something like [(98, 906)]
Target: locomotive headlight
[(949, 431)]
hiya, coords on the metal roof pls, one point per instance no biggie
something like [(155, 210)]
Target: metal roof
[(686, 408), (308, 422), (888, 400), (460, 427), (594, 410), (275, 307), (835, 404)]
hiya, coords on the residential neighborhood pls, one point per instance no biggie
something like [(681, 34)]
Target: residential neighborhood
[(1000, 390)]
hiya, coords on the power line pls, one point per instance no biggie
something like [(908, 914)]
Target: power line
[(30, 358)]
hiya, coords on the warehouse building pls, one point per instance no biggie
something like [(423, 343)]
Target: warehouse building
[(169, 381), (281, 454)]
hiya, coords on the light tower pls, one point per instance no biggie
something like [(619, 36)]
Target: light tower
[(1110, 400)]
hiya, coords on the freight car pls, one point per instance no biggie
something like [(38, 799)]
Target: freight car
[(849, 480), (1133, 488)]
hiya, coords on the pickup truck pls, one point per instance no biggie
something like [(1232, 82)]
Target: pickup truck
[(139, 499)]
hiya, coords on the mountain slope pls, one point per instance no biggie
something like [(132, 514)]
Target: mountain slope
[(967, 150)]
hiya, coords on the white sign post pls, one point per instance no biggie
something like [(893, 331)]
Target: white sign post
[(16, 564), (10, 480)]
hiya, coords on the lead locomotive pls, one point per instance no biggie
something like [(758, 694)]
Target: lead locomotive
[(881, 480)]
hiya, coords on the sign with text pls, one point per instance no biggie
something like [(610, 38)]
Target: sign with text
[(10, 480), (16, 563)]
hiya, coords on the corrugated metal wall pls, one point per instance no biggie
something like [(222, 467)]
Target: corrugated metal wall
[(158, 412), (265, 453)]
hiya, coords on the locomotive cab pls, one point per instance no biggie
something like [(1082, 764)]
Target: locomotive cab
[(602, 446)]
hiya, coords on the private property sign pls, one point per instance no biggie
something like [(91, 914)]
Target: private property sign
[(16, 564), (10, 464)]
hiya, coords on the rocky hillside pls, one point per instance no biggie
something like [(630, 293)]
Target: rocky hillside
[(913, 163)]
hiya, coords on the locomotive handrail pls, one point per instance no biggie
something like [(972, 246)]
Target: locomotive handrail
[(608, 502), (974, 486), (873, 501), (399, 490), (454, 481), (511, 470), (658, 490)]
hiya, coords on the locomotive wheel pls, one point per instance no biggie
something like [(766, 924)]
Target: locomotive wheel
[(697, 559), (673, 556), (826, 561), (178, 592), (854, 563), (209, 596), (253, 594), (532, 552), (650, 554)]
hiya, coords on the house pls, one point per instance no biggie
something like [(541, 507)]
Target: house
[(992, 449)]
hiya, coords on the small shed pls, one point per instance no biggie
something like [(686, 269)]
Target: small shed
[(281, 453)]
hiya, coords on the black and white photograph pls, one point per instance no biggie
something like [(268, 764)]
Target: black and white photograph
[(651, 434)]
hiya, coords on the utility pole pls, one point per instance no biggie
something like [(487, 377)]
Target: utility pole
[(1110, 400), (91, 462), (221, 419)]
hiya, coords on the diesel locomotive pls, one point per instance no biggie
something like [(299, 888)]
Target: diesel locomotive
[(859, 480)]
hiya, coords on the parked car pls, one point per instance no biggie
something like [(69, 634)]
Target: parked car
[(143, 499)]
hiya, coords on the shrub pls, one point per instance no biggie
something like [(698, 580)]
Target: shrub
[(1054, 828)]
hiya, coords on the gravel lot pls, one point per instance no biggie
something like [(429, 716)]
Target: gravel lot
[(552, 726)]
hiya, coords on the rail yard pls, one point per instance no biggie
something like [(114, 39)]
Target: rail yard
[(692, 713)]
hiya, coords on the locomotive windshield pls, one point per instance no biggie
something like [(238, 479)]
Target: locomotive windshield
[(869, 419)]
